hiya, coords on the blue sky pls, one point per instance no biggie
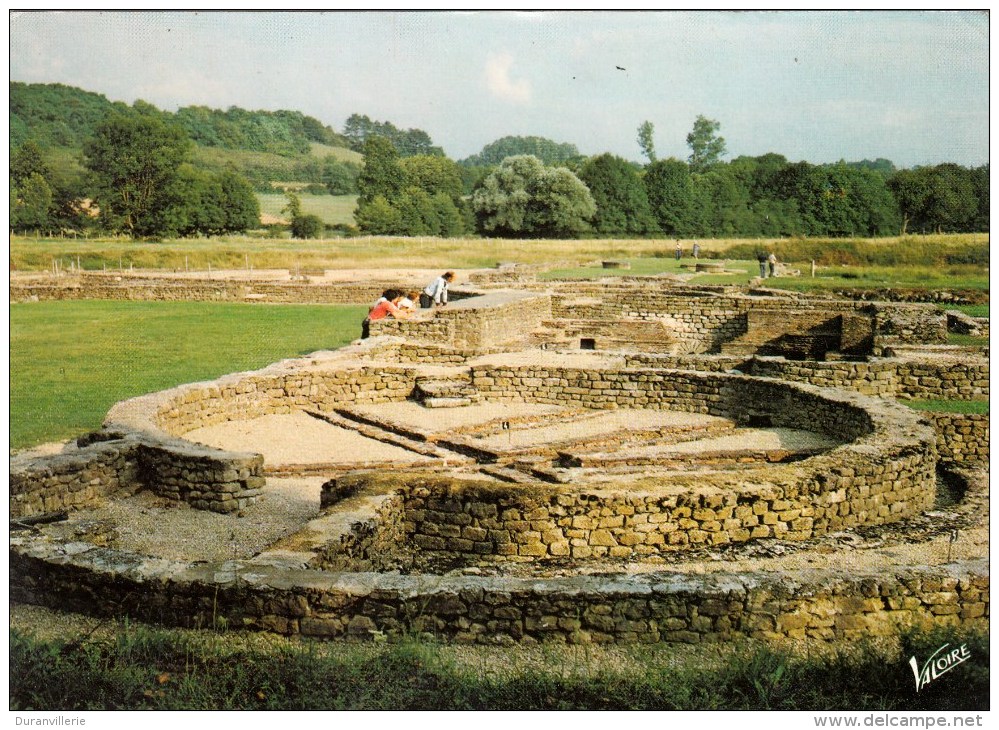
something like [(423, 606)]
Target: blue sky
[(820, 86)]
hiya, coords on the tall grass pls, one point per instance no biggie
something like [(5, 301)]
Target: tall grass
[(157, 669), (922, 253)]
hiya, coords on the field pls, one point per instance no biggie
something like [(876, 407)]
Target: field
[(946, 261)]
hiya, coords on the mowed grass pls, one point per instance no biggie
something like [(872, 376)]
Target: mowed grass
[(70, 361), (967, 407)]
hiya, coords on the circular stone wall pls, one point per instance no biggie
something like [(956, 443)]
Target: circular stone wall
[(883, 473)]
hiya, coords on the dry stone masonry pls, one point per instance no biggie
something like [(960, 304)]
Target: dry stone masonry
[(401, 550)]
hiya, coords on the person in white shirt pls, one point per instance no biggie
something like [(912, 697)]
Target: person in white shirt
[(435, 295)]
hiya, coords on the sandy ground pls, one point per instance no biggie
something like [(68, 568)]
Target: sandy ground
[(150, 525), (437, 420), (298, 438)]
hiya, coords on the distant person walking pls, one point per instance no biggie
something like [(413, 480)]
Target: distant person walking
[(772, 260), (697, 250), (764, 260), (435, 295), (679, 251)]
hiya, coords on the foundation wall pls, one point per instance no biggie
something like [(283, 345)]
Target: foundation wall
[(669, 607), (962, 439), (125, 462), (713, 318)]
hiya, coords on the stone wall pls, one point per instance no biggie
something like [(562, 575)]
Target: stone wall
[(962, 438), (650, 608), (125, 461), (124, 286), (78, 479), (480, 322), (472, 521), (943, 378), (707, 317)]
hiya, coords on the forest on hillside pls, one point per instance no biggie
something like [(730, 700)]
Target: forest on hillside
[(80, 163)]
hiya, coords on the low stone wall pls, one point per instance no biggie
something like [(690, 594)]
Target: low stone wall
[(479, 322), (949, 378), (79, 479), (962, 438), (650, 608), (123, 287), (707, 317), (375, 543), (125, 461)]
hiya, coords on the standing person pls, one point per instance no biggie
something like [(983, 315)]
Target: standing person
[(697, 250), (679, 251), (763, 259), (436, 292), (772, 260)]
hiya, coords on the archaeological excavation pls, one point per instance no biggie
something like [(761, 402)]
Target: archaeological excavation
[(627, 460)]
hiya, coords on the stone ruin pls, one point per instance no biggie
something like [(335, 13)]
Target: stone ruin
[(631, 460)]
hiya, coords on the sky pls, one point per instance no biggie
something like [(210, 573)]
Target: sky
[(820, 86)]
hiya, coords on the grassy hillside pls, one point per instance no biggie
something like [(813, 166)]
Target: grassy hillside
[(332, 209), (340, 153)]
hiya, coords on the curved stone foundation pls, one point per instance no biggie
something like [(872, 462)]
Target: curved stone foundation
[(541, 511), (647, 608)]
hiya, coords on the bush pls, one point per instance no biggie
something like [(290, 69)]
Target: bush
[(307, 226)]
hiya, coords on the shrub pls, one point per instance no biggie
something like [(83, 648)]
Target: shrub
[(307, 226)]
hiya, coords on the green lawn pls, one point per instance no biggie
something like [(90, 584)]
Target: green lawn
[(71, 361), (950, 406)]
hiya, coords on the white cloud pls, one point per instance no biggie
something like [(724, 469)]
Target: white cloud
[(500, 83)]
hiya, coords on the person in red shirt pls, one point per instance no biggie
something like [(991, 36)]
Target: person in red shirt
[(387, 306)]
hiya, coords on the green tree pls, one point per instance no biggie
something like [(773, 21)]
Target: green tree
[(378, 217), (239, 203), (26, 161), (382, 174), (645, 141), (549, 152), (134, 159), (622, 203), (418, 214), (294, 205), (706, 147), (432, 175), (561, 205), (32, 204), (670, 191), (307, 226), (524, 198), (340, 178)]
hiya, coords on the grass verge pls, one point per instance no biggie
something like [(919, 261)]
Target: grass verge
[(70, 361), (143, 668)]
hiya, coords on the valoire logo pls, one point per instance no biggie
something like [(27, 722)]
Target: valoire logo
[(938, 664)]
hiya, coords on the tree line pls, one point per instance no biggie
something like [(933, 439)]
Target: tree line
[(146, 172), (567, 195)]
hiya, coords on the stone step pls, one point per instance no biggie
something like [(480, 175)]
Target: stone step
[(446, 402)]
